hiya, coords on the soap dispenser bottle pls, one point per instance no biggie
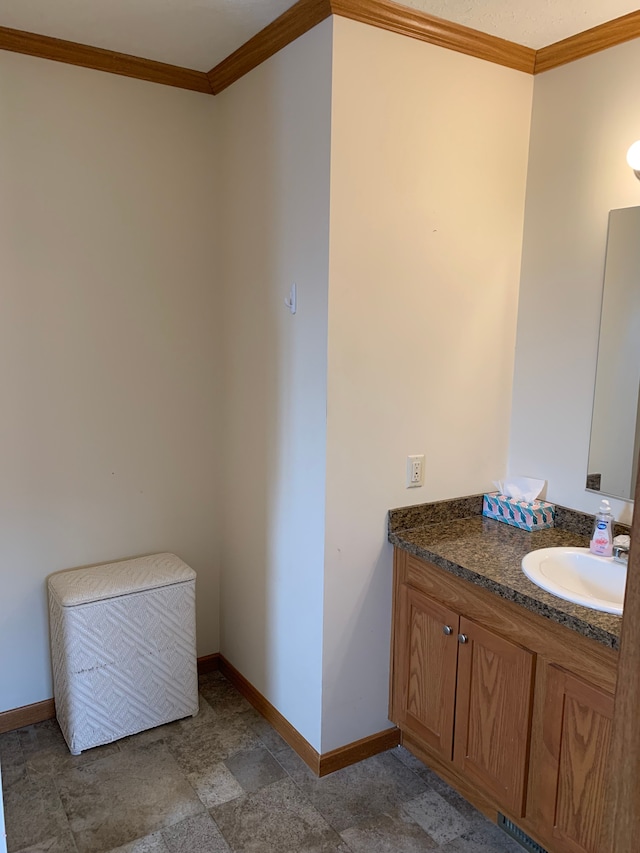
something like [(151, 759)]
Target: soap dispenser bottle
[(602, 539)]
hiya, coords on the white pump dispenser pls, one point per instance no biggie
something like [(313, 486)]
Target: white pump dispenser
[(602, 539)]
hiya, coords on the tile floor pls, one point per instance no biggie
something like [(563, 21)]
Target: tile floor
[(225, 782)]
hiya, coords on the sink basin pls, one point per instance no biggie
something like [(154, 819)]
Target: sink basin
[(577, 575)]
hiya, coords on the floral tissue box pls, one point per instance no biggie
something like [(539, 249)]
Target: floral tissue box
[(536, 515)]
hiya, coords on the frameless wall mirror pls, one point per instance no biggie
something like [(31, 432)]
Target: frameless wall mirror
[(615, 426)]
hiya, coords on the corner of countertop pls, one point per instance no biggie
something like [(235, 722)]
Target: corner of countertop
[(408, 517)]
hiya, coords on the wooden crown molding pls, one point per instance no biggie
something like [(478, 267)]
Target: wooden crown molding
[(73, 53), (303, 16), (396, 18), (377, 13), (590, 41), (293, 23), (419, 25)]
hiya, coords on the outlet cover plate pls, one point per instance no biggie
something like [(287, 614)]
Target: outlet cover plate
[(415, 471)]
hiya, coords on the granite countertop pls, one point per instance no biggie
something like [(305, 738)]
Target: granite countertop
[(456, 537)]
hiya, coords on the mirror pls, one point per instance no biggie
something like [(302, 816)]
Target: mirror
[(615, 426)]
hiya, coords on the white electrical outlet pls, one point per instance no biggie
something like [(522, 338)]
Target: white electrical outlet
[(415, 471)]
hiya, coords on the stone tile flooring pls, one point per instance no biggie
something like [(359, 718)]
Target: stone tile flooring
[(225, 782)]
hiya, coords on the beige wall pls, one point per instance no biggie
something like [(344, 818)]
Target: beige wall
[(109, 341), (395, 201), (428, 169), (583, 121), (275, 162)]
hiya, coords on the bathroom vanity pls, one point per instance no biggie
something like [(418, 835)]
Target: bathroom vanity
[(504, 690)]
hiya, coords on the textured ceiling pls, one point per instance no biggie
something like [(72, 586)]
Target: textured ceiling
[(200, 33), (534, 23)]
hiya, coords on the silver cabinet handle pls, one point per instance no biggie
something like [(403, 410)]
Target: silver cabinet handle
[(447, 629), (462, 638)]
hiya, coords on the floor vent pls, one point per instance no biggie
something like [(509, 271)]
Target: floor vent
[(521, 837)]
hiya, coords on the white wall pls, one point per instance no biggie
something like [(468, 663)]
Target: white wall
[(109, 341), (428, 170), (583, 122), (275, 162)]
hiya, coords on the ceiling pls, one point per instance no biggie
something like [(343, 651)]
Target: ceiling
[(199, 34)]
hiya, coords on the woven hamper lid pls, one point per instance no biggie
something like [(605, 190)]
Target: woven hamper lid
[(109, 580)]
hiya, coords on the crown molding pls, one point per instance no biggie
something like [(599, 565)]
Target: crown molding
[(377, 13), (293, 23), (418, 25), (590, 41), (305, 15), (86, 56)]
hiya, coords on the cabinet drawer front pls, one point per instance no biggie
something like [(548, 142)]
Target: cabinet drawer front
[(427, 672), (576, 735), (493, 714)]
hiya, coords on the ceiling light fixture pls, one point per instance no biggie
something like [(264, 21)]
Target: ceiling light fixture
[(633, 158)]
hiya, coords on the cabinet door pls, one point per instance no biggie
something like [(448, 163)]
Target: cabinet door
[(426, 669), (576, 731), (493, 714)]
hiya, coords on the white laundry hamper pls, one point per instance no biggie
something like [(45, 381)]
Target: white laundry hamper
[(123, 648)]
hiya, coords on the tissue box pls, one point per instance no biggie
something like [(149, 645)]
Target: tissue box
[(536, 515)]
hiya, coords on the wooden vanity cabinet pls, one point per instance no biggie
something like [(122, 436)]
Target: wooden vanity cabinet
[(493, 714), (511, 709), (466, 693), (570, 760), (426, 669)]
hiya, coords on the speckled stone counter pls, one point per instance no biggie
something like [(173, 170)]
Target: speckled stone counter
[(456, 537)]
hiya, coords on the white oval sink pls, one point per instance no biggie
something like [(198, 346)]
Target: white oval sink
[(577, 575)]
